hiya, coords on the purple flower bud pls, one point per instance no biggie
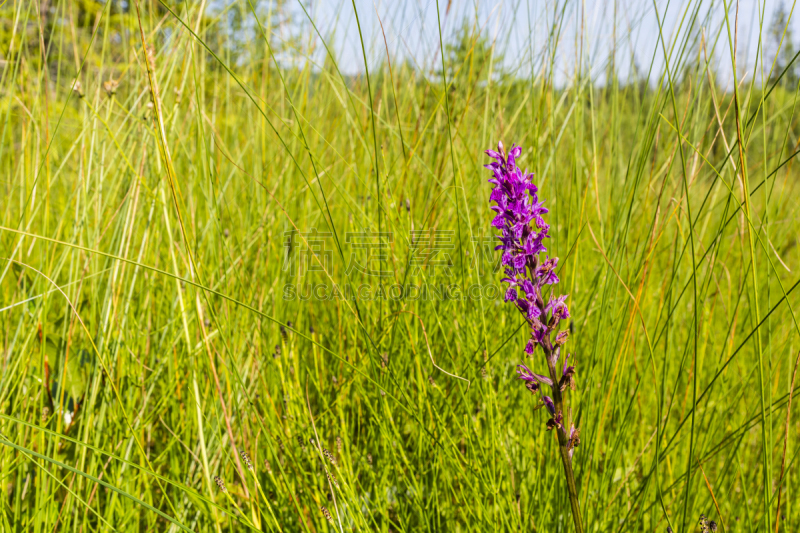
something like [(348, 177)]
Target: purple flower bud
[(548, 402), (529, 347)]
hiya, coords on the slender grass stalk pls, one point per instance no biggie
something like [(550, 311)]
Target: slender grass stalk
[(765, 461), (695, 308)]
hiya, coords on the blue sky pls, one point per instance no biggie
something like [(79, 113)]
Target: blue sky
[(520, 28)]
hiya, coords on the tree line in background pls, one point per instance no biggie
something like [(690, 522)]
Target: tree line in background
[(229, 29)]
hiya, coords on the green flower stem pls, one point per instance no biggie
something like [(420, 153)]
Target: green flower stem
[(563, 439)]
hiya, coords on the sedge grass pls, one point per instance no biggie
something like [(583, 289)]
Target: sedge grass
[(168, 268)]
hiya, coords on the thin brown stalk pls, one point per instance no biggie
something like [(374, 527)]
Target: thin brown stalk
[(713, 498)]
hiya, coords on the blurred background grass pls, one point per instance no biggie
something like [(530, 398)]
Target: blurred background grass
[(169, 275)]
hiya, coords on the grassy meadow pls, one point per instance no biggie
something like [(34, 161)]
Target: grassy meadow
[(217, 238)]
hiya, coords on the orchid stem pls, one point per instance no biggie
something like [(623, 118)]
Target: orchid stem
[(558, 401)]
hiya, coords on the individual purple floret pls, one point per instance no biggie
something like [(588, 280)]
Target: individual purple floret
[(531, 288), (531, 379)]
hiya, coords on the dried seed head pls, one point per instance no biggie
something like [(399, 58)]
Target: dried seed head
[(45, 412), (384, 360), (77, 88), (267, 466), (369, 459), (327, 514), (286, 330), (408, 205), (246, 459), (574, 438), (220, 483), (151, 56), (329, 456), (110, 87), (332, 479)]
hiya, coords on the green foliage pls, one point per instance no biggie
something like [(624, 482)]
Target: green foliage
[(468, 55), (165, 279)]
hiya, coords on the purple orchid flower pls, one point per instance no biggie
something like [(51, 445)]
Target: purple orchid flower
[(539, 333), (546, 271), (519, 216), (558, 308)]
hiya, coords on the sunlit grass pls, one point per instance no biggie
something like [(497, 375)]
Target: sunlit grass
[(169, 282)]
